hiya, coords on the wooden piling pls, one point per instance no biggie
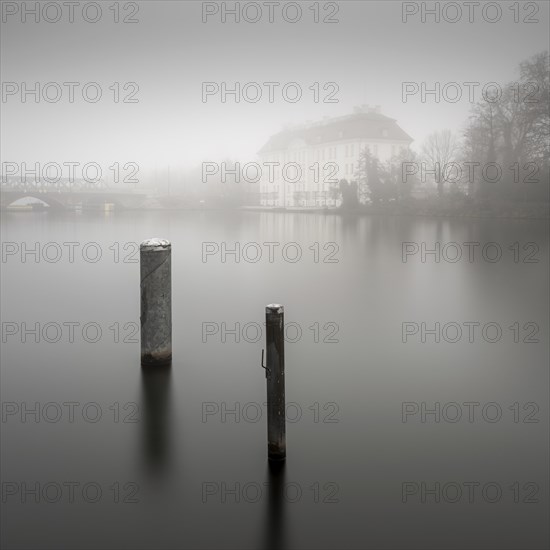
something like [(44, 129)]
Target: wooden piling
[(275, 365)]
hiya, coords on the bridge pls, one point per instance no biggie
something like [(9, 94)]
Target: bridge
[(65, 194)]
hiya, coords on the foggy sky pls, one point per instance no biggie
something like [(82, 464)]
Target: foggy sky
[(170, 52)]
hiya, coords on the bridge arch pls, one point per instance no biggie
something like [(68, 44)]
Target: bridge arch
[(9, 198)]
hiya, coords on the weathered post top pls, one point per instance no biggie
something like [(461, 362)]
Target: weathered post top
[(154, 245)]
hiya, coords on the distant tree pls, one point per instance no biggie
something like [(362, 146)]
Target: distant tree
[(474, 149), (480, 145), (396, 177), (522, 112), (512, 129), (370, 185), (438, 150)]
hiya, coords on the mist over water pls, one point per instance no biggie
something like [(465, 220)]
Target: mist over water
[(189, 437)]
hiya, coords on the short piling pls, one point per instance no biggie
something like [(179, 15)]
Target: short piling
[(156, 301), (275, 373)]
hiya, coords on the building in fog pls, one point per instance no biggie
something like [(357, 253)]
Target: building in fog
[(310, 159)]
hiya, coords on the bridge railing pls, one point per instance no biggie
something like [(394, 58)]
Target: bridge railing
[(65, 185)]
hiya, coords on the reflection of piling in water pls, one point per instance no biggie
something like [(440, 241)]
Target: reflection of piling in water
[(275, 528), (155, 413), (275, 372), (156, 302)]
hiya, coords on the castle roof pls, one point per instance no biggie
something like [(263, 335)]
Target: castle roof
[(369, 126)]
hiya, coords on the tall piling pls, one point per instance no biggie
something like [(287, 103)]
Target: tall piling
[(275, 372), (156, 301)]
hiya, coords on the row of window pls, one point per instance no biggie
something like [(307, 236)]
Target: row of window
[(327, 153)]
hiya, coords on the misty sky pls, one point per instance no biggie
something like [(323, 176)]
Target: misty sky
[(170, 52)]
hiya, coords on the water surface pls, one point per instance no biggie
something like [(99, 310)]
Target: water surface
[(193, 474)]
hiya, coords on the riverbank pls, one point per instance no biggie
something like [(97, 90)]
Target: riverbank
[(429, 208)]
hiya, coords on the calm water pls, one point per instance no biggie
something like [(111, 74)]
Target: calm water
[(119, 457)]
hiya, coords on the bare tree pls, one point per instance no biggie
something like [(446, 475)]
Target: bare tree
[(438, 150), (523, 112), (513, 128)]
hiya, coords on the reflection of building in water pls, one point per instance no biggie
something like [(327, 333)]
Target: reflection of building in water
[(311, 158)]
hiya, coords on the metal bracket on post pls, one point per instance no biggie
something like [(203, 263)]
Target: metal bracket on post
[(263, 366)]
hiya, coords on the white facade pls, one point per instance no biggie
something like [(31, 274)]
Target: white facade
[(304, 171)]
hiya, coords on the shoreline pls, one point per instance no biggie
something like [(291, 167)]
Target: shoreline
[(298, 210)]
